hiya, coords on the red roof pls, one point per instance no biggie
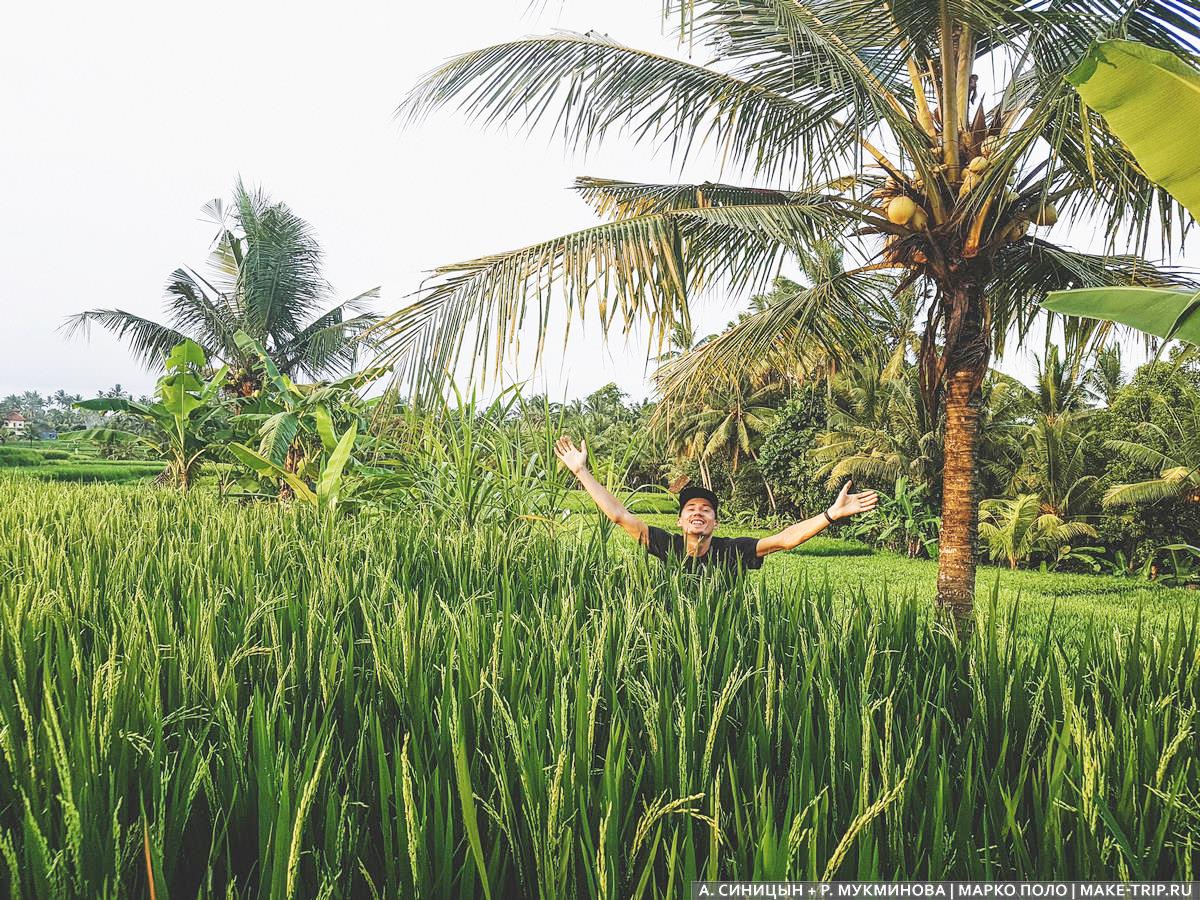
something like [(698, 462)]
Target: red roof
[(14, 416)]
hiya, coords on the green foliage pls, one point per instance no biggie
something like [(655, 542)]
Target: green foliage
[(389, 705), (1176, 564), (300, 450), (906, 521), (468, 464), (121, 472), (19, 456), (264, 279), (785, 460), (184, 423), (1017, 529)]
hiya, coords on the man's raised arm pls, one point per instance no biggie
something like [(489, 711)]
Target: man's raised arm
[(846, 505), (575, 459)]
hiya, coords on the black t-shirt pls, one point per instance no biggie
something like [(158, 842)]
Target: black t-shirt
[(730, 555)]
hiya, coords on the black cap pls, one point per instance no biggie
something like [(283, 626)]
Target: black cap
[(691, 492)]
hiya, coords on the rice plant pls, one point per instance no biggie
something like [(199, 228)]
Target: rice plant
[(203, 699)]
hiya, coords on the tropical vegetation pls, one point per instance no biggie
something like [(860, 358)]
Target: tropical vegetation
[(204, 697), (264, 279), (926, 141)]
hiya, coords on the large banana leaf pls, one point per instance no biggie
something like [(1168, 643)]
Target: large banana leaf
[(1168, 314), (329, 485), (263, 466), (1150, 99)]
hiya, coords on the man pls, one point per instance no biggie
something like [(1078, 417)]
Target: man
[(696, 549)]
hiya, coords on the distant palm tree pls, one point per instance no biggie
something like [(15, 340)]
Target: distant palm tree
[(1055, 469), (265, 279), (728, 422), (1173, 449), (860, 118), (1107, 373), (881, 429), (1060, 388), (1013, 530)]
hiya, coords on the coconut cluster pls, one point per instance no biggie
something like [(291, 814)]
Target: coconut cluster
[(905, 202)]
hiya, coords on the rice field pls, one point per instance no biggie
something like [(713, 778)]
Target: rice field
[(204, 699)]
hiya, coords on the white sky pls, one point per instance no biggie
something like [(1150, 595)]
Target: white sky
[(121, 120)]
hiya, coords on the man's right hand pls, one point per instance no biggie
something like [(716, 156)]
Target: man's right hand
[(574, 458)]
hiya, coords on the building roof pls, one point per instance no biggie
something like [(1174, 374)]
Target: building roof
[(14, 416)]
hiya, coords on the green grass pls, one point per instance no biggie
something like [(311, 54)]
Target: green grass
[(852, 569), (118, 471), (398, 705), (19, 457), (72, 461)]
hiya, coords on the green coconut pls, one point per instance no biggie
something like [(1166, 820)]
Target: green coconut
[(1045, 215), (901, 209), (1017, 230)]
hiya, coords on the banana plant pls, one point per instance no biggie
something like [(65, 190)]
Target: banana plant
[(298, 441), (330, 481), (186, 419), (1150, 99)]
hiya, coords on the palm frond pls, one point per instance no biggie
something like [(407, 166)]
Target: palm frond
[(149, 341), (845, 58), (832, 319), (210, 320), (643, 268), (1141, 454), (332, 341), (612, 199), (590, 85), (1026, 271), (279, 280), (1144, 492)]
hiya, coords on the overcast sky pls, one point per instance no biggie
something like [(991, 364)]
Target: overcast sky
[(121, 120)]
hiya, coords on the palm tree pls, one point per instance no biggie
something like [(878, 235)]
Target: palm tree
[(1172, 448), (881, 429), (1060, 388), (840, 108), (1107, 373), (728, 422), (1014, 530), (264, 279), (1056, 468)]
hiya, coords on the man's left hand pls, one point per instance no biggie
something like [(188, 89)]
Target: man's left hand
[(848, 504)]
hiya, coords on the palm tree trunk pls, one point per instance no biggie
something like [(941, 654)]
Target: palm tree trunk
[(956, 543), (967, 359)]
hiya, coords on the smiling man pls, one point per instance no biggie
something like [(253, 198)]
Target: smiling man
[(695, 549)]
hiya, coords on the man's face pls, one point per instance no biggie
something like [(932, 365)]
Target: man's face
[(698, 517)]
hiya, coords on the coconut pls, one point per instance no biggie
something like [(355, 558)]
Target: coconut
[(919, 221), (969, 183), (1017, 230), (979, 165), (990, 145), (900, 210), (1045, 215)]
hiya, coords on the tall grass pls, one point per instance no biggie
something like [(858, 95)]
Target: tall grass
[(252, 701)]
